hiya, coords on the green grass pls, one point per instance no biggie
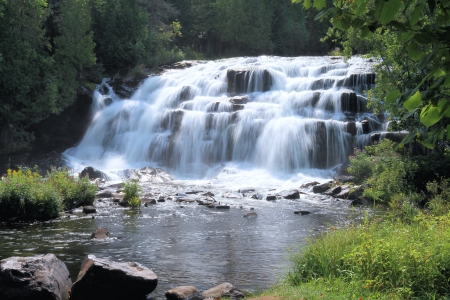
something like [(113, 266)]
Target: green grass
[(384, 259)]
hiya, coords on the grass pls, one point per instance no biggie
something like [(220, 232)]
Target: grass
[(382, 259)]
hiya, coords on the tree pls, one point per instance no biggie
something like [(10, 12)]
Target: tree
[(421, 30)]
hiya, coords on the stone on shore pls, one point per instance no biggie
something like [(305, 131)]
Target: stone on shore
[(39, 277), (183, 292), (225, 289), (106, 279)]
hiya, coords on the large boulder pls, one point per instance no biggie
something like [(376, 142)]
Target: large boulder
[(105, 279), (92, 173), (225, 289), (39, 277), (183, 292)]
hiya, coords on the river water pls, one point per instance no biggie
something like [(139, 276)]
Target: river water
[(266, 123)]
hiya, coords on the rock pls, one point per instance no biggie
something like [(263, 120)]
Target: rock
[(257, 196), (148, 174), (309, 184), (250, 214), (239, 100), (302, 212), (344, 178), (39, 277), (360, 201), (210, 206), (333, 191), (292, 194), (271, 197), (208, 194), (162, 200), (105, 279), (246, 191), (89, 209), (193, 192), (183, 292), (239, 79), (92, 173), (225, 289), (322, 187), (365, 126), (104, 194), (349, 102), (351, 128), (100, 233), (148, 201), (123, 203), (222, 206)]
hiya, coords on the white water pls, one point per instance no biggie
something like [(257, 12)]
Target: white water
[(183, 121)]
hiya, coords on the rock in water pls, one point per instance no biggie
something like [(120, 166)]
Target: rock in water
[(39, 277), (292, 194), (225, 289), (89, 209), (183, 292), (105, 279), (92, 173), (100, 233)]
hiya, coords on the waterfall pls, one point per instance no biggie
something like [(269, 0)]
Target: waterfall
[(282, 115)]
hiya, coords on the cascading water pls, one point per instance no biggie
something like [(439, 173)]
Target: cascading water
[(282, 115)]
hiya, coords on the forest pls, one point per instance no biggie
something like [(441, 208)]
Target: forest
[(53, 50)]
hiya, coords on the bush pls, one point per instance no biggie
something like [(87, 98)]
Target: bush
[(74, 193), (403, 260), (383, 170), (132, 192), (24, 195), (439, 200)]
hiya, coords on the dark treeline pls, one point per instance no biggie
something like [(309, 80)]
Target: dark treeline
[(51, 50)]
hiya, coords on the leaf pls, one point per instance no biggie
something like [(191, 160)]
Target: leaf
[(446, 82), (409, 114), (439, 73), (429, 115), (389, 11), (448, 132), (444, 108), (319, 4), (413, 102), (307, 4), (323, 14), (427, 144), (414, 51), (361, 8), (392, 96), (415, 15), (407, 139)]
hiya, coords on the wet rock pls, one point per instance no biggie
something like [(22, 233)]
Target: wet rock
[(210, 206), (148, 201), (222, 206), (393, 136), (148, 174), (271, 197), (232, 196), (208, 194), (246, 191), (292, 194), (322, 187), (239, 100), (239, 79), (250, 214), (349, 102), (89, 209), (39, 277), (186, 93), (105, 279), (360, 201), (193, 192), (100, 233), (351, 128), (183, 292), (257, 196), (309, 184), (123, 203), (237, 107), (333, 191), (104, 194), (163, 200), (225, 289), (92, 173), (302, 212), (365, 126)]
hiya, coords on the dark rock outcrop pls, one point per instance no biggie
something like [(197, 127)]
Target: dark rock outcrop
[(351, 128), (105, 279), (92, 173), (292, 194), (317, 189), (239, 80), (39, 277), (183, 292), (333, 191), (225, 289), (271, 197)]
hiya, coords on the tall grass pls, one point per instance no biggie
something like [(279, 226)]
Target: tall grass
[(391, 258)]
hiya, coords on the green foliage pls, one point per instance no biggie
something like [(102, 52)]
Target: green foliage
[(439, 200), (74, 193), (411, 38), (24, 195), (388, 259), (132, 191), (383, 170)]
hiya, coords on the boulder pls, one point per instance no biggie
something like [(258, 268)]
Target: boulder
[(148, 201), (309, 184), (39, 277), (250, 214), (89, 209), (344, 178), (292, 194), (302, 212), (92, 173), (333, 191), (271, 197), (317, 189), (222, 206), (257, 196), (208, 194), (105, 279), (351, 128), (225, 289), (365, 126), (123, 203), (100, 233), (183, 292)]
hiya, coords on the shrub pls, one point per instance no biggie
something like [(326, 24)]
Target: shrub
[(439, 200), (134, 202), (383, 170), (132, 192), (24, 195), (74, 193)]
